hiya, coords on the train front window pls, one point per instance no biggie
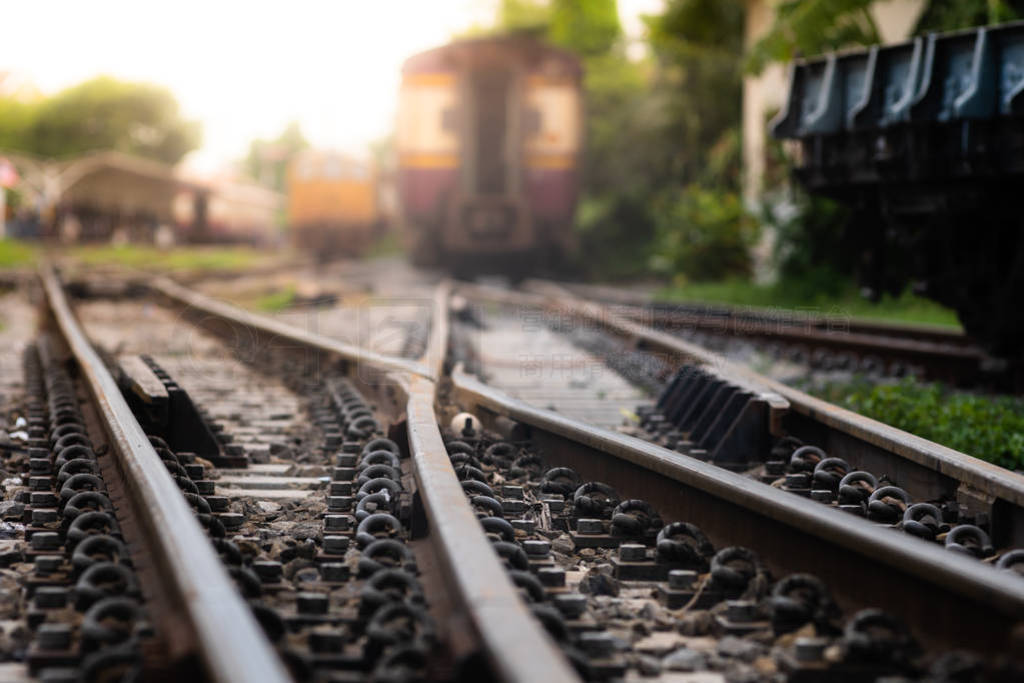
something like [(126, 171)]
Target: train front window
[(490, 94)]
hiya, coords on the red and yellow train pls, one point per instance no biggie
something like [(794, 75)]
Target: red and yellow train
[(488, 137)]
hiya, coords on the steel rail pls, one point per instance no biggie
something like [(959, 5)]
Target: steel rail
[(645, 307), (513, 641), (844, 432), (237, 316), (940, 360), (230, 642), (960, 599)]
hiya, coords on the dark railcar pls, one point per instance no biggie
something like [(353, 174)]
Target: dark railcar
[(924, 141)]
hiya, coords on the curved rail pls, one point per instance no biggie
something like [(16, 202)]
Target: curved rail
[(229, 640), (513, 641)]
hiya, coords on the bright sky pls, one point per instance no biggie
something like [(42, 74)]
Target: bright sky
[(247, 68)]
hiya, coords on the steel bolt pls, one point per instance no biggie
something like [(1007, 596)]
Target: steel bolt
[(597, 644), (340, 488), (334, 572), (527, 525), (556, 505), (513, 506), (775, 467), (40, 466), (632, 552), (571, 605), (339, 503), (536, 548), (740, 611), (269, 571), (195, 471), (206, 487), (853, 509), (48, 564), (345, 460), (335, 545), (552, 577), (512, 492), (351, 447), (43, 499), (810, 649), (231, 520), (218, 503), (343, 473), (53, 636), (681, 579), (699, 453), (45, 540), (42, 516), (589, 526), (798, 480), (40, 483), (822, 495), (311, 603), (332, 439), (326, 641), (50, 597), (337, 522)]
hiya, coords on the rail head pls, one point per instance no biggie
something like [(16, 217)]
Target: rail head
[(231, 643), (983, 476), (1001, 591), (516, 645)]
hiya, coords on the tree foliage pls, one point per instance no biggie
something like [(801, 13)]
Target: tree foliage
[(101, 113), (810, 27), (949, 15), (267, 161)]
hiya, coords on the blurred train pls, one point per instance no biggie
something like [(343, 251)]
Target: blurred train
[(489, 136), (333, 203)]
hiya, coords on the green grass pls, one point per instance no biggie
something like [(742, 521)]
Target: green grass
[(276, 301), (905, 308), (388, 244), (987, 427), (176, 259), (14, 253)]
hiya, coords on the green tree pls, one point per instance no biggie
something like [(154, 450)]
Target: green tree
[(810, 27), (949, 15), (105, 113), (267, 161), (588, 27)]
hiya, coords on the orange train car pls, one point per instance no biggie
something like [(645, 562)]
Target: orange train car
[(489, 137), (332, 203)]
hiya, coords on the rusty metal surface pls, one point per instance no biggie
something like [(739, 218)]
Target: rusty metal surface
[(515, 643), (232, 645), (959, 600), (517, 646), (437, 344)]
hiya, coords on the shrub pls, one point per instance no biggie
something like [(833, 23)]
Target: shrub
[(703, 234), (990, 428)]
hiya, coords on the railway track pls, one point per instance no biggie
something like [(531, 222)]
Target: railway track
[(532, 545), (826, 342)]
